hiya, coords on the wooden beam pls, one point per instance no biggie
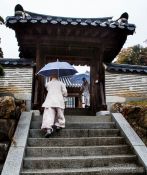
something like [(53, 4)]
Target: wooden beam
[(71, 59)]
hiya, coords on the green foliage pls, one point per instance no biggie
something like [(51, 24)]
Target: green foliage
[(1, 53), (1, 71), (136, 55), (1, 20), (138, 103)]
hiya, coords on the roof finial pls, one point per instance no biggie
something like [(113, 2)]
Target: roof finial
[(19, 11), (123, 18)]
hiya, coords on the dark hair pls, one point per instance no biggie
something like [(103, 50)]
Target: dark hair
[(54, 75), (83, 78)]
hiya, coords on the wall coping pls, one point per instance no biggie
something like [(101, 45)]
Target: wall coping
[(133, 139), (13, 162)]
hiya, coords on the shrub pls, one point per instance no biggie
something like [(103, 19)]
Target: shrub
[(1, 71), (142, 103)]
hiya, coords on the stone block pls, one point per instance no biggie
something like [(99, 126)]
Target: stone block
[(13, 161), (141, 151), (7, 106)]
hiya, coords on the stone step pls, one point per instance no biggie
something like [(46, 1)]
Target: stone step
[(122, 169), (72, 118), (79, 125), (89, 145), (78, 111), (37, 133), (85, 119), (76, 161), (83, 141), (77, 151)]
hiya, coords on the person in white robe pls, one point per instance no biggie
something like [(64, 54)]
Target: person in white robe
[(86, 89), (54, 105)]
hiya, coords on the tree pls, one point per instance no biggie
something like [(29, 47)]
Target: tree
[(1, 22), (1, 52), (1, 71), (136, 55), (143, 57)]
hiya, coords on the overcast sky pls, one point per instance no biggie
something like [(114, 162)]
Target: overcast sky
[(137, 10)]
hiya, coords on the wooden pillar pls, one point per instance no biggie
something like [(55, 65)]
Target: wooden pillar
[(102, 81), (102, 87), (94, 87), (97, 78), (39, 90), (33, 87), (92, 97)]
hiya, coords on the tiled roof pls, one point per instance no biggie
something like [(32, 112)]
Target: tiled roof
[(110, 67), (127, 68), (34, 18), (15, 62), (68, 82)]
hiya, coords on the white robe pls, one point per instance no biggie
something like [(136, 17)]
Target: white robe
[(54, 105), (86, 94), (56, 93)]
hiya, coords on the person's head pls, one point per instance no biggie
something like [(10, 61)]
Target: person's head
[(84, 79), (54, 76)]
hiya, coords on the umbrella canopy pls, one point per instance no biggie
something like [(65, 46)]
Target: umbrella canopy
[(61, 68), (77, 79)]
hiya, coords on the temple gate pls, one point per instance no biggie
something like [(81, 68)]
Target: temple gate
[(79, 41)]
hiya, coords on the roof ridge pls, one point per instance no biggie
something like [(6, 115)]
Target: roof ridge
[(68, 17)]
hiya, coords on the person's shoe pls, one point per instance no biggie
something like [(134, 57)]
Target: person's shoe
[(57, 128), (48, 133)]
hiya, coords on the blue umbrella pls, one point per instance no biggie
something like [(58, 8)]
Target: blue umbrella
[(77, 79), (61, 68)]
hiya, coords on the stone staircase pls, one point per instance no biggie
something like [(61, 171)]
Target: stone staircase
[(89, 145)]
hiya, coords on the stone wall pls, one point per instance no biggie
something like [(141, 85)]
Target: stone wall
[(18, 81), (126, 84)]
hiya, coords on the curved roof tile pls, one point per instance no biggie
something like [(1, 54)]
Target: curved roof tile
[(110, 66), (40, 18), (16, 62), (127, 68)]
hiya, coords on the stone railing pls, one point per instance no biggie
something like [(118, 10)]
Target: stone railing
[(10, 111)]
